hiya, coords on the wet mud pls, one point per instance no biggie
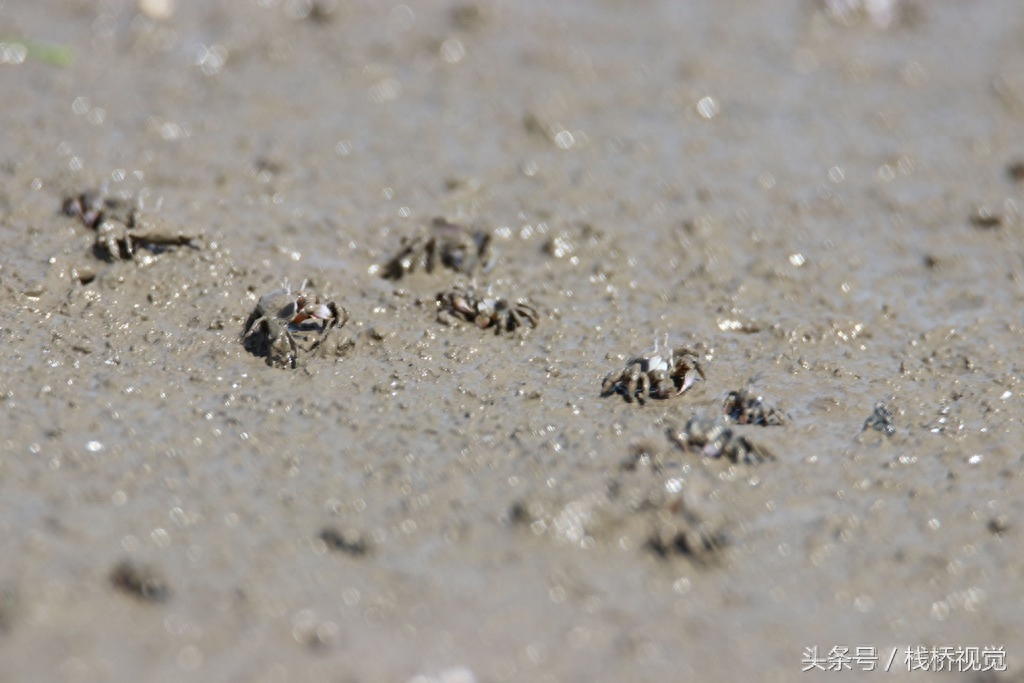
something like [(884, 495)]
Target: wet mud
[(818, 201)]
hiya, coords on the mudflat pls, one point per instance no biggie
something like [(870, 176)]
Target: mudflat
[(488, 231)]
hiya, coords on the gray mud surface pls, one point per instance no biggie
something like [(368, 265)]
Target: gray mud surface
[(824, 210)]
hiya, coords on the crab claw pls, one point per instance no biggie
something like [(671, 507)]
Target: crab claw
[(310, 311), (461, 305), (320, 311)]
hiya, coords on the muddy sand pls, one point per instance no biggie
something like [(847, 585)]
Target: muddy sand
[(822, 206)]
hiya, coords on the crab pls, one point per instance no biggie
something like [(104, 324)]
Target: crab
[(713, 438), (121, 227), (445, 244), (880, 420), (655, 375), (91, 205), (746, 408), (484, 310), (286, 322), (686, 533)]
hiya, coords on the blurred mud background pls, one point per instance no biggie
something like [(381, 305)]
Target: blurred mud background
[(823, 202)]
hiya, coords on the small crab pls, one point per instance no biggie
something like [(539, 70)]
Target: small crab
[(447, 245), (286, 322), (464, 303), (655, 375), (121, 227), (880, 420), (91, 205), (687, 534), (746, 408), (714, 438)]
